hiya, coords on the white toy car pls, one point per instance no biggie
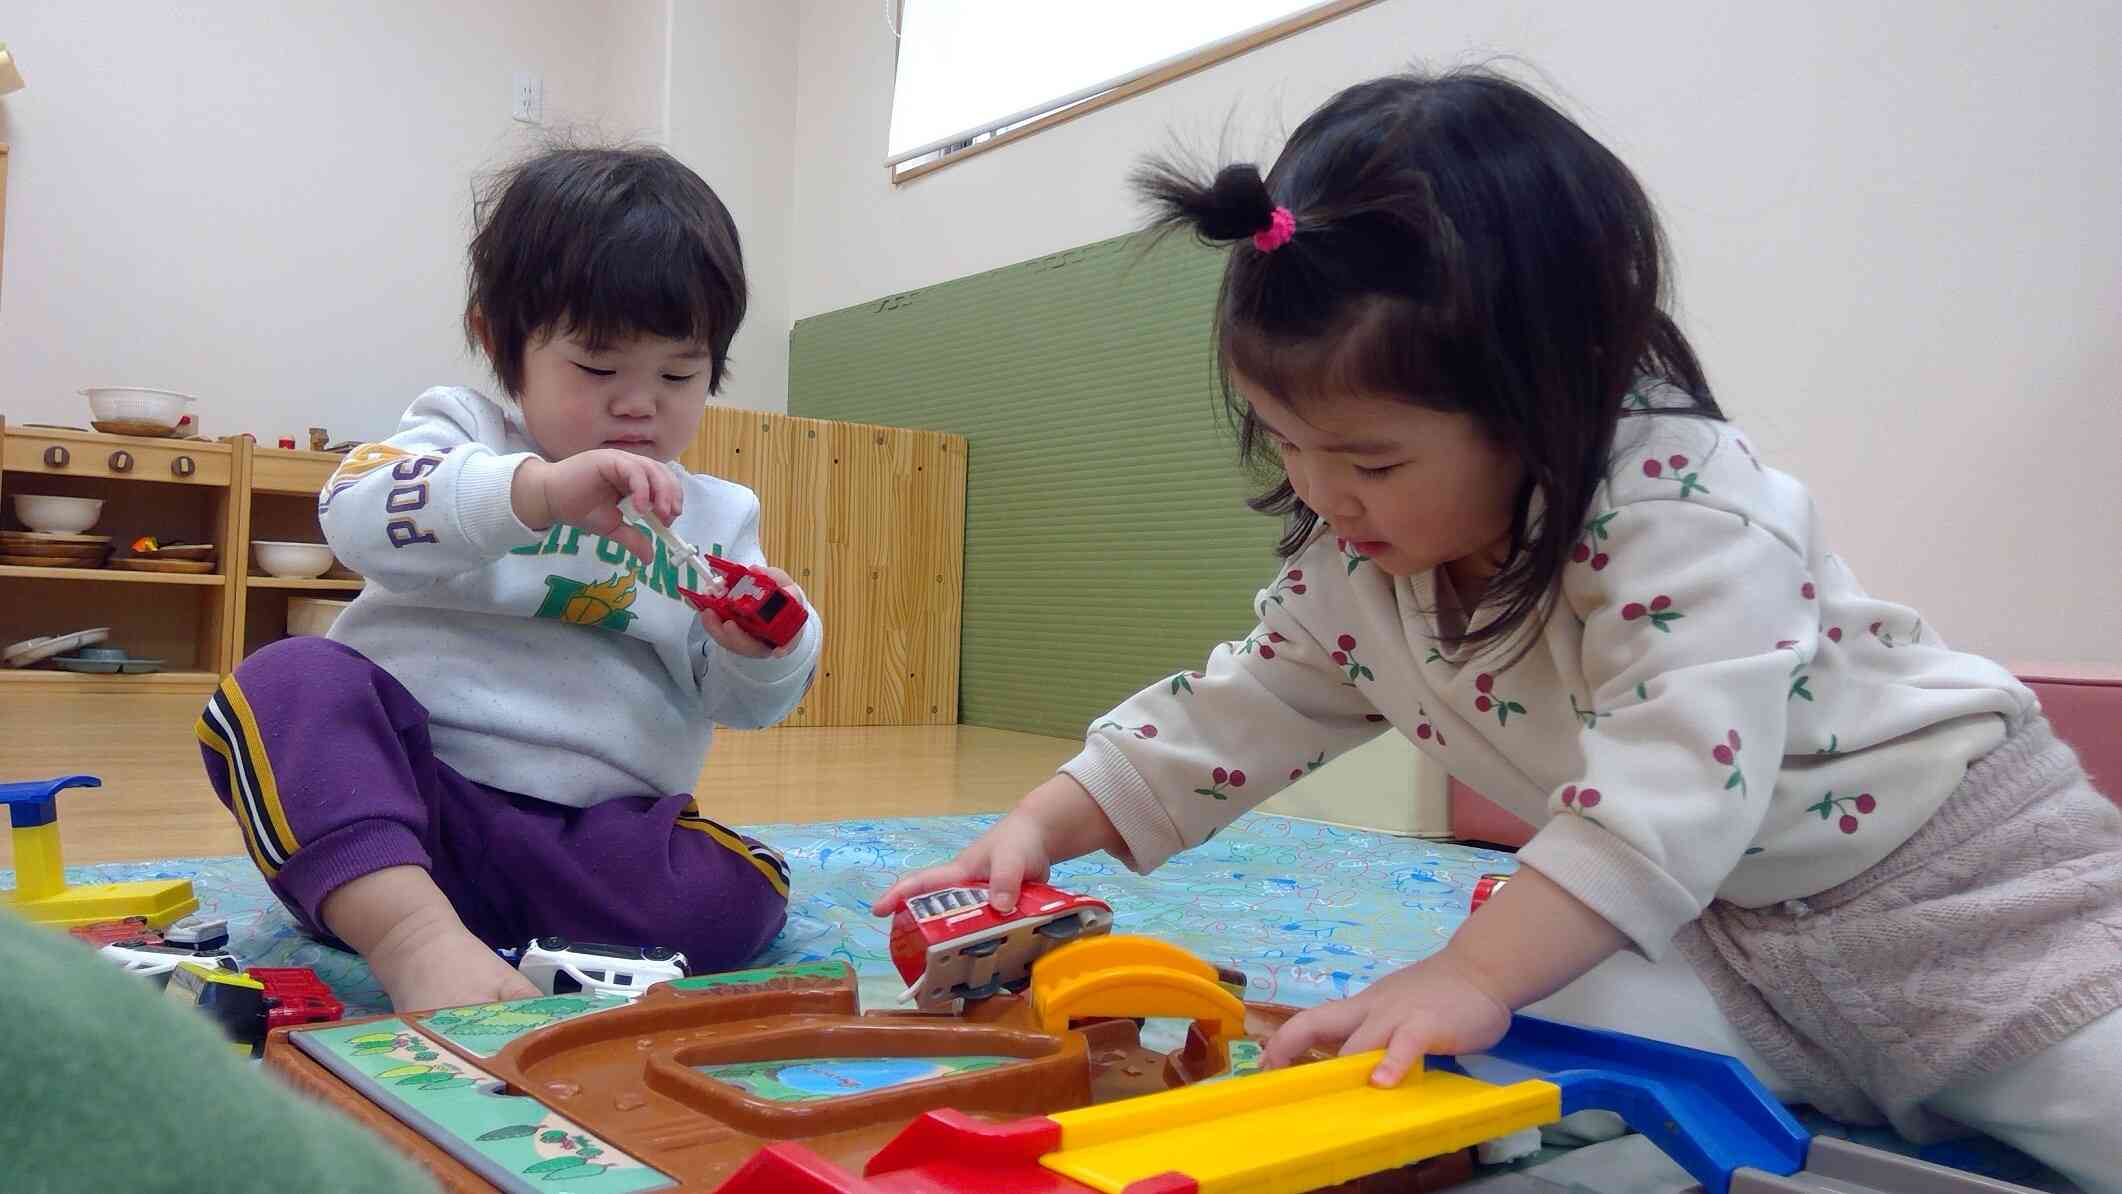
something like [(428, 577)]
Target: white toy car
[(558, 966)]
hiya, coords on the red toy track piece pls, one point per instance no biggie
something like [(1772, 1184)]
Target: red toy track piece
[(295, 995)]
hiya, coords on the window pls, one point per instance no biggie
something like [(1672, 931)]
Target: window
[(978, 73)]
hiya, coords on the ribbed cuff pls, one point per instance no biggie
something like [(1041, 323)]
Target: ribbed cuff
[(1613, 879), (321, 867), (1129, 803), (486, 506)]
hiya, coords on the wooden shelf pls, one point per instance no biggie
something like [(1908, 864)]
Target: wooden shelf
[(149, 578), (319, 582), (54, 678)]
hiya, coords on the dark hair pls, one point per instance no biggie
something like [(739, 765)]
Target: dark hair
[(603, 244), (1463, 246)]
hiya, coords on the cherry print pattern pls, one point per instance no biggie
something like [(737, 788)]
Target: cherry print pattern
[(1660, 611), (1844, 810), (1674, 468), (1727, 753)]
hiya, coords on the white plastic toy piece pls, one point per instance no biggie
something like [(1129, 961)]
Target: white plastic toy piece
[(157, 961), (1504, 1149), (558, 966)]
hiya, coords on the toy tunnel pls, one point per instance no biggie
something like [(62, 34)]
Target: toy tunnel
[(1134, 976)]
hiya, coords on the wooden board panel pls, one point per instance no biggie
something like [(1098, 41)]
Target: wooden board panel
[(870, 521)]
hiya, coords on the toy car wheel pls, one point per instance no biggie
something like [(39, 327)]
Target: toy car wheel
[(982, 948), (553, 944), (985, 990), (658, 953), (1063, 929)]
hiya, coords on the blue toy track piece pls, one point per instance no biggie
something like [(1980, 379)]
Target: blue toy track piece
[(1705, 1110), (37, 802)]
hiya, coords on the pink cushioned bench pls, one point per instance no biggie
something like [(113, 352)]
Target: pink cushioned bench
[(2084, 703)]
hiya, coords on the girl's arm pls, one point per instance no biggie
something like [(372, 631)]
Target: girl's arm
[(1193, 751)]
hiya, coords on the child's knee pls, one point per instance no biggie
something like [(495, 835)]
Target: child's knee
[(737, 898)]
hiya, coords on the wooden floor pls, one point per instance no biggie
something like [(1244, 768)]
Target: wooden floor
[(156, 804)]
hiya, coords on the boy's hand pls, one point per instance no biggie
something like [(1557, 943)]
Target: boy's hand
[(585, 490), (736, 641), (1433, 1006)]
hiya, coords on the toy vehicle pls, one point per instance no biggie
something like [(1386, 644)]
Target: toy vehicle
[(752, 599), (156, 961), (558, 966), (132, 929), (1485, 887), (295, 995), (198, 931), (952, 944), (232, 1000)]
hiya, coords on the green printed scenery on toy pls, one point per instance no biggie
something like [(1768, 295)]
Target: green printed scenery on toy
[(760, 976), (455, 1102), (484, 1029)]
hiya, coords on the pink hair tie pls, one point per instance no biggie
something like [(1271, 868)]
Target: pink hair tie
[(1280, 227)]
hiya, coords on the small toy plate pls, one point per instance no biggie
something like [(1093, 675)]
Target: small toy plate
[(37, 650)]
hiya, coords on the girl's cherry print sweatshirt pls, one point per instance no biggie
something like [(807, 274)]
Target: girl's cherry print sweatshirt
[(1715, 708)]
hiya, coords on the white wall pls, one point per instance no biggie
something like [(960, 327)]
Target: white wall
[(732, 119), (1896, 240), (267, 205)]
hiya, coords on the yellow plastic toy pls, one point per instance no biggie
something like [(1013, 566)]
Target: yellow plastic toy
[(1287, 1130), (1134, 976), (42, 893), (1292, 1130)]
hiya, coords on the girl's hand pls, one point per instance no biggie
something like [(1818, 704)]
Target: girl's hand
[(736, 641), (1055, 822), (1433, 1006), (585, 490), (1004, 857)]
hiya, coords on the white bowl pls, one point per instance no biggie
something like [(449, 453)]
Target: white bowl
[(57, 515), (313, 615), (293, 561), (112, 404)]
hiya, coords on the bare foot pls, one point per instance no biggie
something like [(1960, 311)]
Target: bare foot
[(446, 969)]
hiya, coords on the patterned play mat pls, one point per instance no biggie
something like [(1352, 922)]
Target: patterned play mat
[(1309, 912)]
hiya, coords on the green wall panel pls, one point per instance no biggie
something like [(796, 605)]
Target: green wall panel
[(1107, 543)]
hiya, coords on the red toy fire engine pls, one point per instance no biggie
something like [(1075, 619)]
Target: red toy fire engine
[(1485, 887), (952, 944), (295, 995), (752, 599)]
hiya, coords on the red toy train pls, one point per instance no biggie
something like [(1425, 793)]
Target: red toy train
[(952, 944)]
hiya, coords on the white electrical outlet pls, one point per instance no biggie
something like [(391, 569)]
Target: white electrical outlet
[(527, 98)]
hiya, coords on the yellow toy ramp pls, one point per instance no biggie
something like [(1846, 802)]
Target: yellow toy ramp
[(1292, 1130), (1132, 976)]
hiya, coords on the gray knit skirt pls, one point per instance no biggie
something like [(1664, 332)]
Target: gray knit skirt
[(1993, 933)]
